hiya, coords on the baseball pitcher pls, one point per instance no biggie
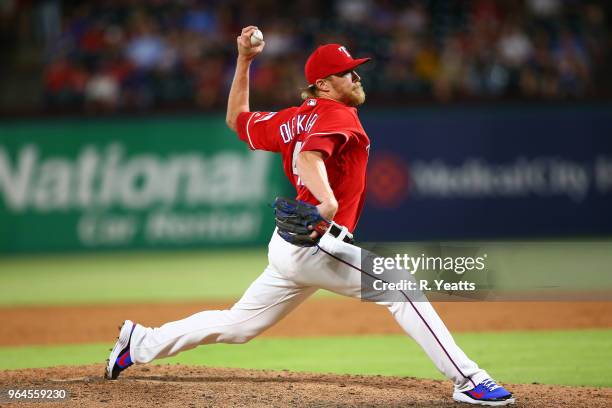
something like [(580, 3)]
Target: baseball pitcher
[(325, 152)]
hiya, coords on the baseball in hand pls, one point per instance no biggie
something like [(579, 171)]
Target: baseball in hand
[(256, 38)]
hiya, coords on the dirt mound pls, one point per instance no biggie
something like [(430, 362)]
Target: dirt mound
[(190, 386)]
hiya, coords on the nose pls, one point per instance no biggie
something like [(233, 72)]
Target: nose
[(355, 76)]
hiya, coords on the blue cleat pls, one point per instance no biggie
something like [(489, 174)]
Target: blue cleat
[(120, 358), (485, 393)]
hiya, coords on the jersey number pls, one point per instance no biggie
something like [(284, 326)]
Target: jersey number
[(296, 152)]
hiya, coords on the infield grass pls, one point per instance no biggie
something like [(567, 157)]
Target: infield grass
[(577, 357)]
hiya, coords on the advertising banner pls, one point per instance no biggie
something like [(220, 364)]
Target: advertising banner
[(109, 184), (488, 173)]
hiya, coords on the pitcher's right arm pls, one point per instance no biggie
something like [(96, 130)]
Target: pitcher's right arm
[(238, 100)]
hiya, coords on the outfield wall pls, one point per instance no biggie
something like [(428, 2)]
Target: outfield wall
[(446, 173)]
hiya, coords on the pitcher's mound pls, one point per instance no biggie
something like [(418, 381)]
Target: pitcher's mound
[(196, 386)]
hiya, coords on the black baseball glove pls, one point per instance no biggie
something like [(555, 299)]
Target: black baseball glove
[(293, 219)]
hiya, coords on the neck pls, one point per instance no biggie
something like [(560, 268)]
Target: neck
[(331, 98)]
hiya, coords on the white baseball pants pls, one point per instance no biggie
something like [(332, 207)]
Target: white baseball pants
[(293, 274)]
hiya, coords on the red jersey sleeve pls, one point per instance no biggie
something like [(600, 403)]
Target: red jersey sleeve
[(255, 129), (330, 133)]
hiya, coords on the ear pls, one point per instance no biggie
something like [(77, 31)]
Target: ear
[(323, 85)]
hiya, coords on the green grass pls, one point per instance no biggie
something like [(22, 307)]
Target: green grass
[(129, 278), (579, 357), (225, 274)]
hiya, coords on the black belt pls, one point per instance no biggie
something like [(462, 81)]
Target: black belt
[(335, 232)]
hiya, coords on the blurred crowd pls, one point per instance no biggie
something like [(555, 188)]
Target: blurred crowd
[(136, 54)]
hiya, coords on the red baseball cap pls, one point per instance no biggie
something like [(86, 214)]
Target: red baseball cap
[(329, 59)]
